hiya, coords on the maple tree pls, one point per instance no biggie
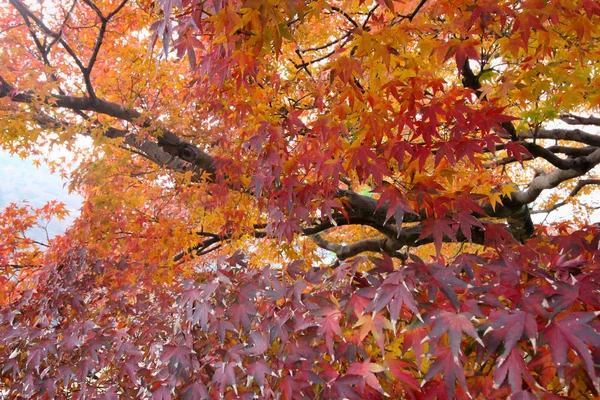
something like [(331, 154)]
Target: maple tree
[(304, 199)]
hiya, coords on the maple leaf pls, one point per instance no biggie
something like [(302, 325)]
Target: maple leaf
[(225, 376), (161, 393), (496, 235), (523, 395), (465, 222), (329, 325), (343, 387), (373, 323), (402, 371), (454, 325), (516, 150), (257, 371), (446, 280), (509, 327), (413, 338), (394, 292), (514, 369), (260, 344), (299, 349), (572, 332), (194, 390), (437, 228), (451, 368), (565, 294), (367, 371), (177, 357), (241, 313)]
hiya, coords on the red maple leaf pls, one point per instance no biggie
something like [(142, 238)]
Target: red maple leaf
[(573, 332), (367, 371), (394, 292), (329, 325), (451, 368), (509, 327), (225, 376), (258, 370), (445, 279), (403, 372), (454, 325), (465, 222), (437, 228), (515, 369), (177, 357)]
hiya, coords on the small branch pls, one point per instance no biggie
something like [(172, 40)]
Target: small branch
[(506, 161), (345, 14), (572, 151), (116, 10), (369, 15), (415, 11), (95, 9), (26, 13), (22, 266), (316, 60), (88, 70), (98, 43), (326, 45), (169, 142), (576, 189)]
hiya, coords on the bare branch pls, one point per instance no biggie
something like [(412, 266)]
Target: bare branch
[(572, 151), (116, 10), (326, 45)]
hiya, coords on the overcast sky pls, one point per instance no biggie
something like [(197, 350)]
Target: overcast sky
[(21, 180)]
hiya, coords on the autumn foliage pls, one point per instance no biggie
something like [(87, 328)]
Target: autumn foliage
[(304, 199)]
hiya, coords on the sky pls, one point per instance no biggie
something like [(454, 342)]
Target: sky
[(21, 180)]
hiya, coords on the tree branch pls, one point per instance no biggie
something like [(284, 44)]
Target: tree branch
[(546, 154), (555, 178), (574, 135), (582, 183), (572, 119), (27, 14), (167, 140), (343, 252)]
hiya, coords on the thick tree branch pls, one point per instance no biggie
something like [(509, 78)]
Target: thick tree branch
[(546, 154), (574, 135), (408, 237), (167, 140), (342, 252), (572, 119), (555, 178)]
